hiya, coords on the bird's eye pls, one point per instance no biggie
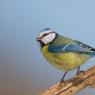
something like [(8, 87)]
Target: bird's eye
[(45, 34)]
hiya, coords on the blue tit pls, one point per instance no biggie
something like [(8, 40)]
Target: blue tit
[(62, 52)]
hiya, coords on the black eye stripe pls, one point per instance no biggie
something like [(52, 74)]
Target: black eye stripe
[(44, 35), (47, 34)]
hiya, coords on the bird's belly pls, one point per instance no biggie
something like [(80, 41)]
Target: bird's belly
[(64, 61)]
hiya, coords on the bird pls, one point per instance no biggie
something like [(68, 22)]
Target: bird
[(63, 52)]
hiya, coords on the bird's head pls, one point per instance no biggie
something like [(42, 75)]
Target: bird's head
[(46, 36)]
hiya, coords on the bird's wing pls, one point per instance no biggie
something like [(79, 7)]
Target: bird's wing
[(85, 46), (76, 46)]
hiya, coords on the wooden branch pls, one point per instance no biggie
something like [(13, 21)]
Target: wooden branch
[(74, 85)]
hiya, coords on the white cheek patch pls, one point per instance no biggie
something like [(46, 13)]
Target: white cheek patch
[(45, 32), (49, 38)]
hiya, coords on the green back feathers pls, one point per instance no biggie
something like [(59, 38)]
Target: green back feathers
[(60, 40)]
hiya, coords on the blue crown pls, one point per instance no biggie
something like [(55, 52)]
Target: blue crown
[(46, 29)]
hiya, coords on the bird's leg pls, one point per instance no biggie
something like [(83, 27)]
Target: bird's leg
[(62, 80), (79, 72)]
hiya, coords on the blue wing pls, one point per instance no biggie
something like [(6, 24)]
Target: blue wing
[(72, 47)]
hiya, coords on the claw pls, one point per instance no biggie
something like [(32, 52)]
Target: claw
[(81, 72)]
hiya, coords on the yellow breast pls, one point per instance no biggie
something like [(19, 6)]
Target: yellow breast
[(64, 61)]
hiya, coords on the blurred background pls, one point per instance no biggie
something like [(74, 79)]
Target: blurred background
[(23, 70)]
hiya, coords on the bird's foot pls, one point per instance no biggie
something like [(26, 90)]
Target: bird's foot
[(62, 83), (80, 72)]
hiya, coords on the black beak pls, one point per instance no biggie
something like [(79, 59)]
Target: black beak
[(41, 43), (38, 39)]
